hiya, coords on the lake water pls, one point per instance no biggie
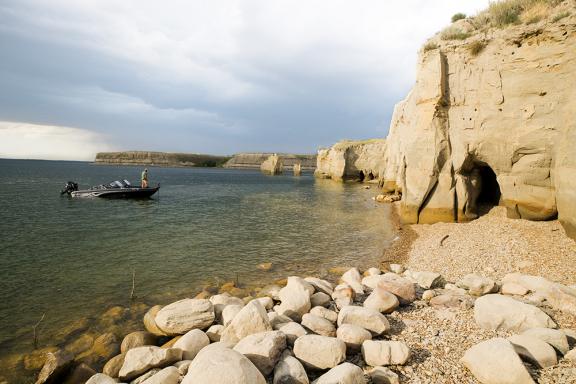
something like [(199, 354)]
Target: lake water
[(72, 259)]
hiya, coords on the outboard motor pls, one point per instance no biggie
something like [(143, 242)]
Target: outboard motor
[(69, 187)]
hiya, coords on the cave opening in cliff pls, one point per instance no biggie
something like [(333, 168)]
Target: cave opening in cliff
[(489, 193), (361, 176)]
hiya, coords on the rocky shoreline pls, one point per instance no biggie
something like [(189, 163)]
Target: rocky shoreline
[(393, 326)]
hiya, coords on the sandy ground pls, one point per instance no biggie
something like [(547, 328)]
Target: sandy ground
[(491, 246)]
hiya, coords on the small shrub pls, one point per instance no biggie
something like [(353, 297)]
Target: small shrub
[(476, 47), (537, 12), (506, 12), (560, 16), (429, 46), (452, 33), (458, 16)]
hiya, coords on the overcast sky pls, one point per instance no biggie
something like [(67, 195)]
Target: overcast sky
[(207, 76)]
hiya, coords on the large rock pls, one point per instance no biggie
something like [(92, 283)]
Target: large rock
[(352, 160), (500, 312), (557, 295), (263, 349), (289, 371), (379, 352), (222, 300), (353, 278), (295, 299), (319, 325), (137, 339), (452, 300), (343, 295), (56, 366), (325, 313), (142, 359), (292, 330), (218, 364), (319, 352), (251, 319), (272, 165), (345, 373), (353, 335), (320, 299), (477, 285), (230, 311), (150, 321), (191, 343), (184, 315), (383, 375), (113, 366), (403, 288), (424, 279), (534, 350), (101, 378), (367, 318), (554, 337), (494, 362), (382, 301), (168, 375), (321, 285), (215, 332)]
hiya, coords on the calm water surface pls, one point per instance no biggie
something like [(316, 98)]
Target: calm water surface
[(73, 259)]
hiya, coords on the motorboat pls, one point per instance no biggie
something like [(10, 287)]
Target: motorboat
[(116, 189)]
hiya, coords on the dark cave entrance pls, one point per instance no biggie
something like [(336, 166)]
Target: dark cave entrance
[(483, 190), (361, 176), (490, 189)]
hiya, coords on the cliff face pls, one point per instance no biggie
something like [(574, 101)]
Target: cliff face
[(255, 160), (352, 160), (492, 127), (161, 159)]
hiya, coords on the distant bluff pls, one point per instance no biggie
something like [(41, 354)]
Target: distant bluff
[(160, 159), (491, 118)]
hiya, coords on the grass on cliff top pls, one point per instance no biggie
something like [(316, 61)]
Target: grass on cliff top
[(506, 12), (346, 142)]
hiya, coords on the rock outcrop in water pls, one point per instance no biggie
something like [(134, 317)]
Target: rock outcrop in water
[(272, 165), (491, 120), (255, 160), (352, 160), (160, 159)]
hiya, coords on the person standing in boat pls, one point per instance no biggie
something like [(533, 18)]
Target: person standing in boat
[(144, 178)]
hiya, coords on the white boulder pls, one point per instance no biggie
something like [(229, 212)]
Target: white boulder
[(142, 359), (367, 318), (345, 373), (318, 325), (353, 278), (495, 361), (319, 352), (477, 285), (292, 330), (325, 313), (353, 335), (320, 299), (554, 337), (382, 301), (263, 349), (382, 352), (169, 375), (218, 364), (251, 319), (184, 315), (290, 371), (191, 343), (534, 350), (498, 312)]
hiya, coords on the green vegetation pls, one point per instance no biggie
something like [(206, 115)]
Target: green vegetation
[(476, 47), (454, 33), (458, 16), (503, 13), (429, 46), (560, 16)]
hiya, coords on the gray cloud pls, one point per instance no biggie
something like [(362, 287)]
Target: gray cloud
[(213, 77)]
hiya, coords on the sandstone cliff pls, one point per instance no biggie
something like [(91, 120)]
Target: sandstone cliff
[(491, 119), (352, 160), (272, 165), (160, 159), (255, 160)]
